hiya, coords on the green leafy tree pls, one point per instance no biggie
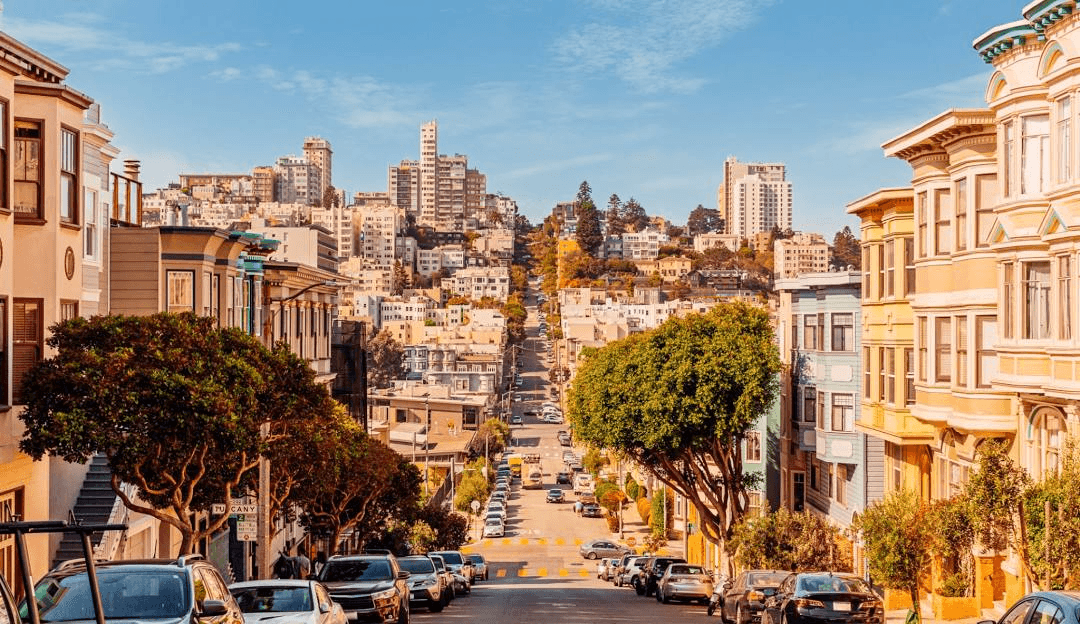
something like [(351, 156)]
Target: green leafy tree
[(997, 488), (402, 277), (846, 250), (472, 487), (330, 198), (594, 461), (613, 216), (584, 193), (703, 220), (632, 488), (660, 513), (897, 540), (633, 216), (492, 436), (589, 234), (1053, 523), (175, 404), (787, 540), (385, 360), (678, 400), (953, 535)]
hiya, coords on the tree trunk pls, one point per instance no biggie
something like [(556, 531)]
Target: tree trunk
[(915, 616)]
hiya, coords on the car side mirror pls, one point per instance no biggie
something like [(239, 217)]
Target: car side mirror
[(402, 574), (213, 608)]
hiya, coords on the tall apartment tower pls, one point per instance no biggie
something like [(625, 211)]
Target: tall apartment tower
[(296, 181), (754, 197), (318, 153), (263, 181), (429, 150)]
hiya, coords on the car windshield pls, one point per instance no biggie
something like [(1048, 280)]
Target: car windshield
[(125, 594), (440, 565), (419, 565), (272, 599), (832, 584), (767, 579), (687, 569), (452, 558), (476, 558), (357, 570)]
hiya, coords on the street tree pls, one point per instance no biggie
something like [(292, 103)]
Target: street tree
[(787, 540), (679, 399), (996, 488), (613, 216), (173, 402), (589, 234), (385, 359), (633, 216), (897, 539)]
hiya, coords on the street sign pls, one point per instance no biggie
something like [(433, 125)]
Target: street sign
[(247, 527), (217, 509), (475, 506)]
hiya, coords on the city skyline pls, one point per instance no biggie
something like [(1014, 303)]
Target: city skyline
[(641, 100)]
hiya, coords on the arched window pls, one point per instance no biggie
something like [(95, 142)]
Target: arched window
[(1046, 432)]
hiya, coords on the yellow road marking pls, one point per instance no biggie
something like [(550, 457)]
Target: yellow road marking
[(559, 541), (466, 549), (541, 572), (506, 541), (524, 541), (501, 573), (523, 572), (541, 540), (578, 541), (583, 573), (564, 572)]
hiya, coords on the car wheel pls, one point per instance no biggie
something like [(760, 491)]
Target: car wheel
[(638, 587), (738, 614), (591, 556), (485, 576), (403, 612), (435, 606), (661, 597)]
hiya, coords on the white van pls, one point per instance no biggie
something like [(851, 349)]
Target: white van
[(583, 483)]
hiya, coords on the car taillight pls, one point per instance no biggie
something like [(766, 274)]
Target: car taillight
[(755, 595), (806, 603)]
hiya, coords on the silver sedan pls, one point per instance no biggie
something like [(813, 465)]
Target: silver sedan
[(684, 581), (286, 601)]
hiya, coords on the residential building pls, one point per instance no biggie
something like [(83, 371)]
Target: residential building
[(339, 221), (800, 254), (754, 197), (643, 245), (670, 269), (378, 226), (432, 261), (310, 245), (317, 152), (262, 182), (479, 282), (833, 468), (296, 181), (710, 240)]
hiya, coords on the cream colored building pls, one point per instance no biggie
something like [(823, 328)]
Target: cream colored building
[(802, 253), (754, 197), (709, 240), (318, 153)]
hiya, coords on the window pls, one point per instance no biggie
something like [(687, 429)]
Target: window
[(961, 214), (810, 332), (68, 309), (920, 222), (1007, 303), (3, 167), (809, 397), (909, 266), (826, 482), (961, 351), (895, 454), (28, 169), (986, 197), (866, 271), (820, 410), (1064, 146), (841, 484), (470, 418), (1034, 153), (180, 291), (909, 376), (922, 348), (1036, 300), (27, 340), (880, 257), (1064, 297), (4, 399), (90, 225), (1006, 158), (942, 221), (752, 445), (943, 349), (794, 331), (843, 332), (69, 176), (1047, 612), (866, 372), (821, 331), (890, 268), (215, 298), (985, 357), (843, 412), (1045, 435), (890, 375), (753, 503)]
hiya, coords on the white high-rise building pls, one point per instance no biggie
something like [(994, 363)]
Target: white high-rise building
[(318, 153), (429, 150), (378, 226), (754, 197), (296, 181), (339, 220)]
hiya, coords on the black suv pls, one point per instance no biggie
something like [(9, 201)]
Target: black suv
[(368, 587), (651, 574), (165, 591)]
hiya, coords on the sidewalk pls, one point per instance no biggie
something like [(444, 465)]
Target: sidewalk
[(900, 616)]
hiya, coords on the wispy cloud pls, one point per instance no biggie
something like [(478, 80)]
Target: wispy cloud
[(556, 165), (356, 101), (967, 91), (643, 41), (87, 35)]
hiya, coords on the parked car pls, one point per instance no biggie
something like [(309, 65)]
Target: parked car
[(627, 568), (425, 585), (606, 568), (555, 496), (368, 586), (457, 563), (186, 589), (745, 597), (286, 601), (480, 569), (494, 528), (820, 597), (515, 419), (650, 574), (683, 581), (591, 510), (597, 548), (447, 577), (1058, 607)]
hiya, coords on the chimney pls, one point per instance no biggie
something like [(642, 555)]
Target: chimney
[(131, 169)]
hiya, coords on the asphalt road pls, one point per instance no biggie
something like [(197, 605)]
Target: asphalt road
[(536, 572)]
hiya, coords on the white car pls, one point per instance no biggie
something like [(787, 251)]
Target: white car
[(284, 601), (494, 528)]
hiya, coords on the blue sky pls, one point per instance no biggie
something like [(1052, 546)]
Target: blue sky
[(644, 99)]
